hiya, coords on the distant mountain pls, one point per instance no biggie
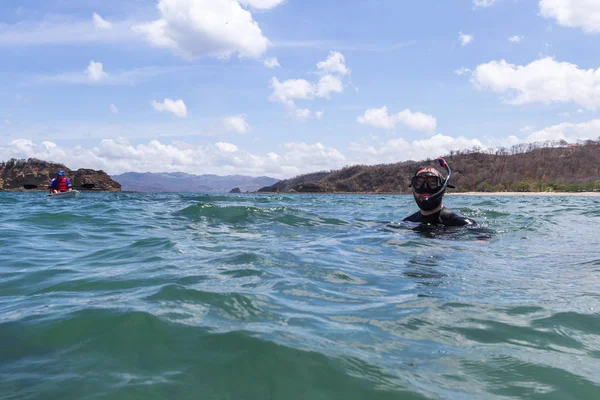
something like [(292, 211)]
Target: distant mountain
[(182, 182)]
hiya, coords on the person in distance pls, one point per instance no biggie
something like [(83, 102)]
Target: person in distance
[(60, 183)]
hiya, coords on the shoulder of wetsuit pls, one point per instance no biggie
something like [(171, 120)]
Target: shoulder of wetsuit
[(451, 218), (416, 217)]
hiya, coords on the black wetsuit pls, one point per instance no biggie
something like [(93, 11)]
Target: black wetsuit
[(444, 216)]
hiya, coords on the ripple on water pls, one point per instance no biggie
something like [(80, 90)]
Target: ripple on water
[(296, 297)]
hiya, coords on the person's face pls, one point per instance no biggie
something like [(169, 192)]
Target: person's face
[(426, 181)]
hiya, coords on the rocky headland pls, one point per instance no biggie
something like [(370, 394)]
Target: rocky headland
[(33, 174)]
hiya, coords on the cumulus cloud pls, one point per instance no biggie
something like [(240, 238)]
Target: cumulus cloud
[(285, 92), (570, 132), (398, 149), (483, 3), (176, 107), (95, 72), (300, 113), (542, 81), (114, 109), (118, 155), (318, 114), (236, 123), (100, 23), (271, 62), (329, 84), (583, 14), (226, 147), (331, 72), (380, 118), (515, 39), (334, 64), (465, 39), (196, 28)]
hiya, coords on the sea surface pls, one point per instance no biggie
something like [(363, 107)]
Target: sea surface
[(194, 296)]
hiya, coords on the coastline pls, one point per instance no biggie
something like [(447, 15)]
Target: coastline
[(528, 194)]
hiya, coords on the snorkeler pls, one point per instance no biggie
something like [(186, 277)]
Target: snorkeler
[(428, 190)]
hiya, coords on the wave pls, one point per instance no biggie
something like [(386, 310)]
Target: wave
[(243, 214), (131, 353)]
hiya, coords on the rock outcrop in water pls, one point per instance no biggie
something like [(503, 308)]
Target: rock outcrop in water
[(33, 174)]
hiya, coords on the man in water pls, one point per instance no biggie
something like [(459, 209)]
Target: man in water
[(60, 183), (428, 190)]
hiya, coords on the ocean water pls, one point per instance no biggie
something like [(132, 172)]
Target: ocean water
[(192, 296)]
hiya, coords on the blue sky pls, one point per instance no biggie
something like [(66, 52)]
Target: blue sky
[(283, 87)]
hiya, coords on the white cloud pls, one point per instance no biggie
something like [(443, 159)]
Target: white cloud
[(226, 147), (398, 149), (300, 113), (515, 39), (379, 118), (483, 3), (271, 62), (176, 107), (288, 91), (334, 64), (567, 131), (7, 122), (118, 155), (544, 81), (195, 28), (329, 84), (114, 109), (580, 111), (95, 72), (261, 4), (583, 14), (285, 92), (318, 114), (465, 39), (331, 72), (236, 123), (100, 22), (462, 71)]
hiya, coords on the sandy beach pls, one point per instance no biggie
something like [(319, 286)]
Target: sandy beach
[(546, 194)]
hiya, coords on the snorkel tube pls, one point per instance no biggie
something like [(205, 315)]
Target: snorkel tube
[(429, 199)]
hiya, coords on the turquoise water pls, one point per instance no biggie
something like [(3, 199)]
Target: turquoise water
[(190, 296)]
